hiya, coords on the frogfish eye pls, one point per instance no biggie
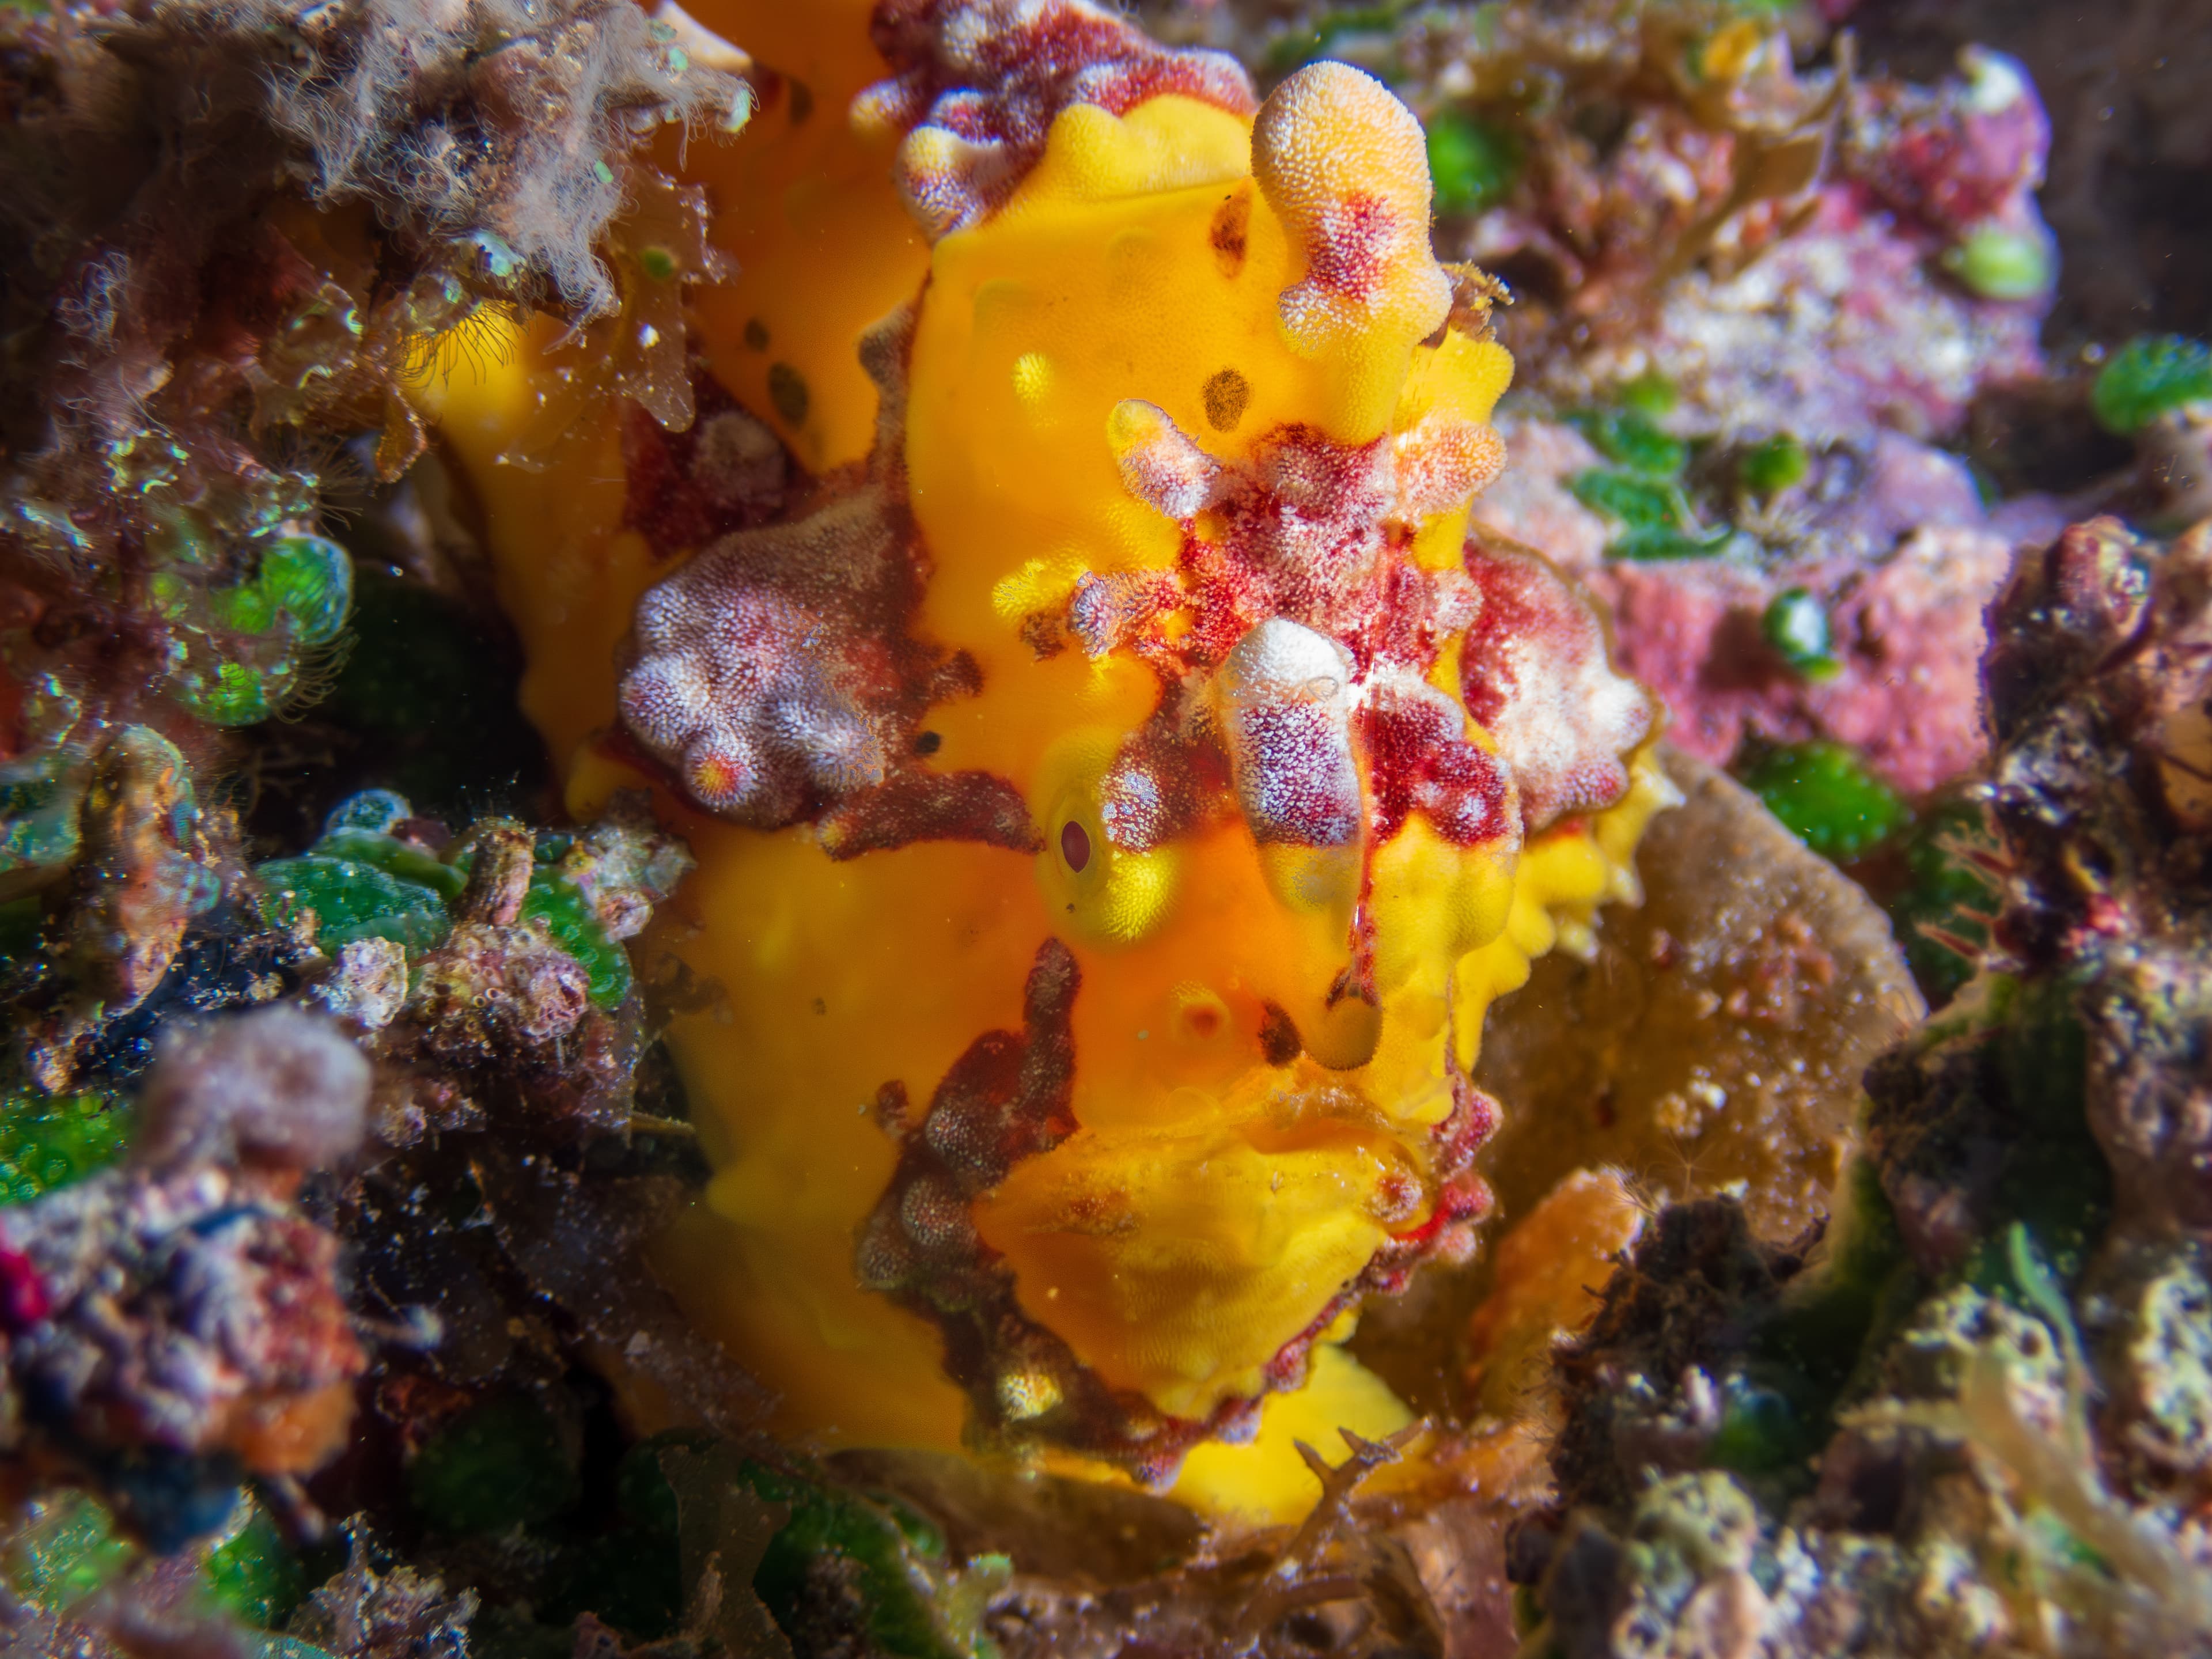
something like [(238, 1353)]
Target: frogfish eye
[(1075, 845)]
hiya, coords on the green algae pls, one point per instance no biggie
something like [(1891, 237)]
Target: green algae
[(350, 901), (1941, 913), (1824, 795), (1475, 163), (1629, 437), (2151, 375), (555, 901), (47, 1141), (254, 1575), (1993, 262), (1770, 467), (1795, 623)]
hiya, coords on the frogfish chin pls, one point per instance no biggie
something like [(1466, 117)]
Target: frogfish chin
[(1120, 783)]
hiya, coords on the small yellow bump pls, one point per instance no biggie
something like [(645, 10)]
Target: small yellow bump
[(1038, 585), (1032, 378)]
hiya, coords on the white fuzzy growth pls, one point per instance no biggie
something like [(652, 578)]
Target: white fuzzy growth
[(1282, 661), (279, 1083), (454, 117)]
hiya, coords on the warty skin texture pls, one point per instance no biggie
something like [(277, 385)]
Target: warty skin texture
[(1112, 1101)]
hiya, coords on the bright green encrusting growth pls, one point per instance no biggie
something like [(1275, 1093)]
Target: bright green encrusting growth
[(1655, 517), (877, 1569), (308, 581), (554, 900), (244, 642), (2151, 375), (1825, 797), (1994, 262), (1772, 466), (1629, 437), (1796, 625), (360, 881), (919, 1605), (401, 859), (254, 1574), (1642, 491), (47, 1141), (1650, 394), (498, 1466), (351, 900), (1475, 163), (65, 1548)]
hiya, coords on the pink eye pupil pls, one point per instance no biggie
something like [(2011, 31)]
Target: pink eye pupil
[(1074, 846)]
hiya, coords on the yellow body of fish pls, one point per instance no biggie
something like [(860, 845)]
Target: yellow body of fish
[(1099, 970)]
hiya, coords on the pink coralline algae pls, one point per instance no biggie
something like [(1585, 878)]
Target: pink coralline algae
[(978, 85), (1886, 310), (1910, 634), (1851, 307), (1903, 562), (1844, 329)]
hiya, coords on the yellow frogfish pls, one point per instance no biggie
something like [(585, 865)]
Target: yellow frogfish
[(1119, 782)]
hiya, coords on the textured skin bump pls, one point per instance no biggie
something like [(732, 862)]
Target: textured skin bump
[(1345, 167), (1536, 673), (1285, 704), (755, 699)]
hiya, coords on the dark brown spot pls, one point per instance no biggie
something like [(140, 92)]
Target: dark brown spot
[(1278, 1036), (786, 390), (1045, 633), (917, 806), (1227, 233), (756, 334), (1350, 985), (1228, 395), (1075, 845), (929, 743), (802, 102)]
